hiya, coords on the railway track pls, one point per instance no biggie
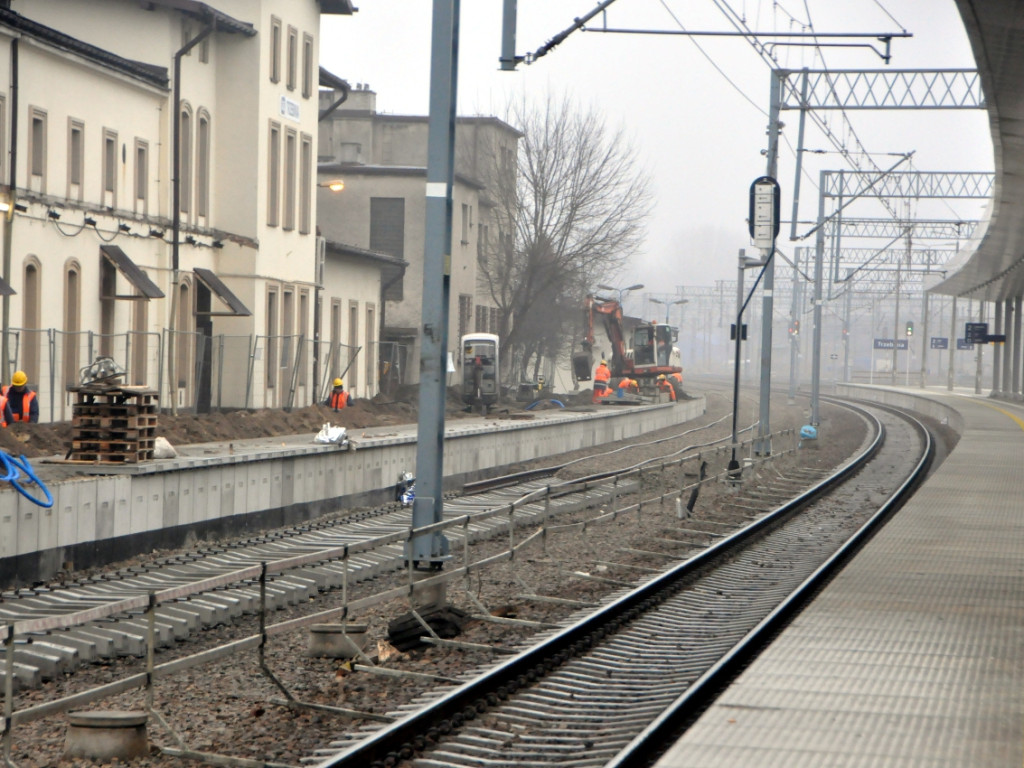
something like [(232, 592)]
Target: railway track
[(61, 626), (608, 688)]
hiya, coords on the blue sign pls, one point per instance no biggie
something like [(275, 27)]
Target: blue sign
[(975, 333), (940, 342), (890, 344), (964, 344)]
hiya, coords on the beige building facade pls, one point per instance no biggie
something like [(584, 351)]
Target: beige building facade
[(381, 159), (88, 119)]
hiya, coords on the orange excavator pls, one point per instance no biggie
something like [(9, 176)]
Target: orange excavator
[(648, 356)]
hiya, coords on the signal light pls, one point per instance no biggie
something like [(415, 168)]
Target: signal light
[(910, 328)]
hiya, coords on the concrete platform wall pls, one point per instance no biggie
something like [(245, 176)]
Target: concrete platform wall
[(96, 520), (921, 401)]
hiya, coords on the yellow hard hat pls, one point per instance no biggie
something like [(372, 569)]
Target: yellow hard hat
[(19, 379), (604, 362), (661, 377), (338, 382)]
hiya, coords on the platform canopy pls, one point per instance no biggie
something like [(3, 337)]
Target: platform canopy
[(992, 264)]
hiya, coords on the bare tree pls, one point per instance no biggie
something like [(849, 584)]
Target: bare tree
[(573, 217)]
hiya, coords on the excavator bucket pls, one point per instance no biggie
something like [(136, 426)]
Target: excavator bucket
[(583, 366)]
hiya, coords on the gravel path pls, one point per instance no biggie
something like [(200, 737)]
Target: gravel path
[(226, 707)]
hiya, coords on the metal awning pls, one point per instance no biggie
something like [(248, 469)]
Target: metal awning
[(217, 287), (146, 287), (5, 288)]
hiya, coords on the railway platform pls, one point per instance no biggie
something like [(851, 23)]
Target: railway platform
[(913, 654)]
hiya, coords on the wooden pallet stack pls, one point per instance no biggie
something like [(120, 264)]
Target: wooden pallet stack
[(113, 423)]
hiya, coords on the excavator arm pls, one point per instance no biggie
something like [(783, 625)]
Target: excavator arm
[(610, 313)]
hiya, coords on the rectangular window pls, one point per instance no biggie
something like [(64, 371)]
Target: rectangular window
[(492, 323), (289, 179), (353, 342), (307, 66), (37, 147), (293, 58), (275, 49), (274, 176), (335, 349), (387, 225), (272, 339), (204, 51), (306, 185), (287, 327), (370, 348), (3, 137), (141, 176), (110, 167), (467, 222), (203, 167), (76, 157), (302, 330), (481, 319), (465, 314)]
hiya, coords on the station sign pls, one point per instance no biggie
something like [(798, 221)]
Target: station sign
[(964, 344), (890, 343), (975, 333), (940, 342), (764, 217)]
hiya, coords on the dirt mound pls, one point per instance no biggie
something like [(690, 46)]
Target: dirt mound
[(35, 440)]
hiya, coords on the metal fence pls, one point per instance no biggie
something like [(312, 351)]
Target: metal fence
[(212, 372)]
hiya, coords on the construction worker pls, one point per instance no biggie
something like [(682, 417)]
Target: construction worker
[(6, 417), (676, 380), (627, 384), (20, 399), (339, 398), (602, 375), (664, 385)]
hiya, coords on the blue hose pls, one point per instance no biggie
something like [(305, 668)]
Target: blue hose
[(14, 468)]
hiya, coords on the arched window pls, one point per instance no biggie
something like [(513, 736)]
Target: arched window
[(71, 341), (203, 164), (31, 320), (185, 340), (185, 159)]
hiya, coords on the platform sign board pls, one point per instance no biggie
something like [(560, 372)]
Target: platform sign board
[(940, 342), (975, 333), (964, 344), (890, 343), (765, 203)]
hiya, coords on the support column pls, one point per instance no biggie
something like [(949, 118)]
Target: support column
[(951, 373), (1015, 376), (997, 352), (1007, 368)]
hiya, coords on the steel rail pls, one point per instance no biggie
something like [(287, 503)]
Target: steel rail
[(403, 738), (668, 726)]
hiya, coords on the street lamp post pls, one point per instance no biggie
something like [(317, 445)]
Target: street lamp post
[(621, 291), (745, 262), (668, 305)]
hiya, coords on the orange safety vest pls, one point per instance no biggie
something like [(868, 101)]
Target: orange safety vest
[(3, 408), (26, 401), (677, 376), (665, 386), (339, 400), (602, 374)]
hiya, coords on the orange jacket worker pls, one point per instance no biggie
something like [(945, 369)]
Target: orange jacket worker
[(20, 399), (339, 398)]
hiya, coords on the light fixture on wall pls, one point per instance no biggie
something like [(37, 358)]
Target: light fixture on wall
[(217, 244), (156, 233), (335, 185), (90, 221), (124, 227), (53, 214), (190, 240)]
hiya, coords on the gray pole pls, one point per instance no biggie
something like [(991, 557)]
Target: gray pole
[(763, 446), (924, 339), (430, 550), (1007, 366), (794, 339), (997, 351), (896, 325), (819, 252), (1015, 359), (734, 463), (979, 349), (847, 310), (951, 373)]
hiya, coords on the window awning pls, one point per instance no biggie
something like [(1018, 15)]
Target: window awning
[(5, 288), (217, 287), (132, 274)]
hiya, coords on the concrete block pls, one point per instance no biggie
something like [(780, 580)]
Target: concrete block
[(8, 523), (107, 735), (70, 654), (127, 641), (105, 508), (122, 505), (50, 665), (24, 677), (104, 645)]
